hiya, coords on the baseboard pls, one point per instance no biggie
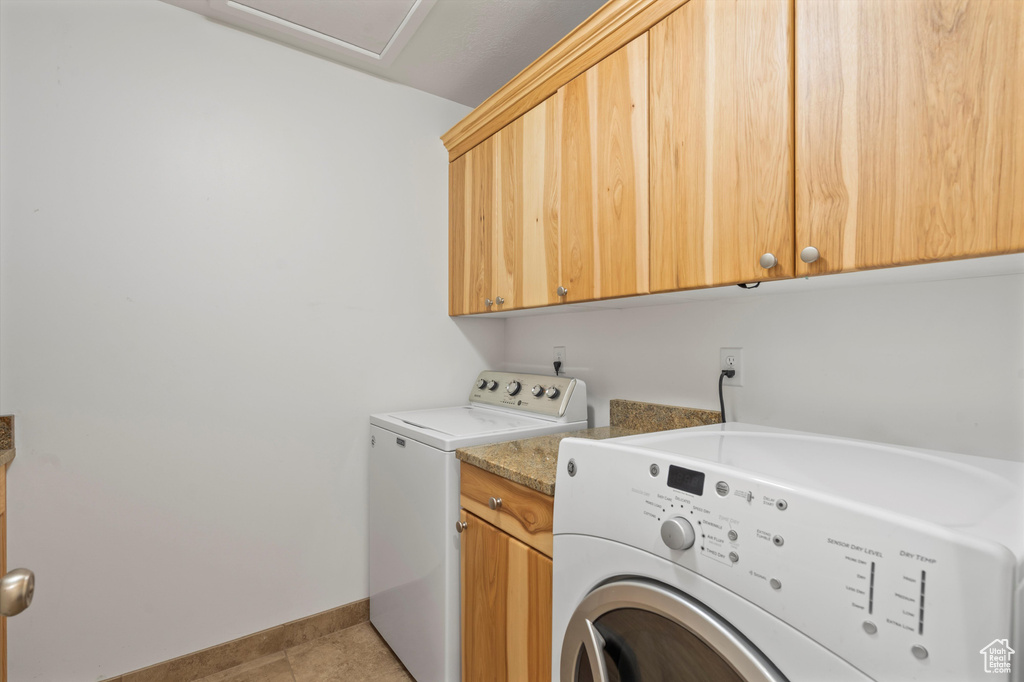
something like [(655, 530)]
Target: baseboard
[(203, 663)]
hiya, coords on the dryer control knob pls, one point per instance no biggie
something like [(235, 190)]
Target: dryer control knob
[(538, 390), (513, 387), (678, 533), (552, 392), (481, 383), (491, 385)]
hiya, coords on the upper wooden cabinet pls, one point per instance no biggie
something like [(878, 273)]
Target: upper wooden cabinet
[(732, 137), (604, 170), (470, 230), (721, 140), (557, 198), (910, 136), (526, 253)]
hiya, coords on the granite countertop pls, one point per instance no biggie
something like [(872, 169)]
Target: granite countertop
[(534, 461), (6, 440)]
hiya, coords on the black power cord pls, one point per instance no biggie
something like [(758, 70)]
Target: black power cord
[(558, 366), (721, 377)]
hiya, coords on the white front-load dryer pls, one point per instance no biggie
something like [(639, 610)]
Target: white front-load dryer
[(735, 552)]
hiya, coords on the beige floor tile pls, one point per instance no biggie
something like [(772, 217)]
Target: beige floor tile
[(272, 668), (357, 654)]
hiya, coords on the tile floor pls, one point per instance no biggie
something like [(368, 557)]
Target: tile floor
[(356, 654)]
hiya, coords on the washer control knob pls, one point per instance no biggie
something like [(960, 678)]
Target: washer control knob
[(481, 383), (491, 385), (537, 390), (678, 533), (919, 652), (513, 387), (869, 627), (733, 535), (551, 393)]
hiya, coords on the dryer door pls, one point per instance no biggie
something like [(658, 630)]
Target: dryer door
[(639, 631)]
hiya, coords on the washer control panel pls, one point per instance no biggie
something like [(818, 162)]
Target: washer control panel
[(896, 597), (534, 393)]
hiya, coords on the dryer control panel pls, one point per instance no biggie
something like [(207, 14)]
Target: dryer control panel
[(897, 597)]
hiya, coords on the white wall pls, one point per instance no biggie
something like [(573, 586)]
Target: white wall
[(218, 255), (936, 365)]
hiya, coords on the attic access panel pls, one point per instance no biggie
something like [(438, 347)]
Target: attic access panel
[(372, 30)]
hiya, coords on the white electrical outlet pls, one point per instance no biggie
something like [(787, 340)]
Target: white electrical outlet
[(560, 355), (731, 358)]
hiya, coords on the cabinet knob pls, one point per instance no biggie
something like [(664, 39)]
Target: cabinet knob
[(16, 590), (809, 255), (499, 300), (488, 302), (769, 261), (562, 291), (494, 503), (461, 526)]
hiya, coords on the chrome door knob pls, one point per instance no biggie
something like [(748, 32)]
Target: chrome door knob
[(677, 533), (513, 387), (488, 302), (16, 591), (769, 261), (537, 390), (499, 300), (461, 526), (551, 393), (809, 255), (494, 503), (562, 291)]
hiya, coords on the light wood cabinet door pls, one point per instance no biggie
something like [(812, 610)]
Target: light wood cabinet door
[(506, 606), (910, 136), (471, 200), (604, 170), (721, 144), (3, 568), (526, 267)]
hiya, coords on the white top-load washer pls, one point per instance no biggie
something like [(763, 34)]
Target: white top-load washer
[(414, 505), (752, 553)]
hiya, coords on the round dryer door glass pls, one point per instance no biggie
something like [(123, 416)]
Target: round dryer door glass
[(640, 645), (633, 631)]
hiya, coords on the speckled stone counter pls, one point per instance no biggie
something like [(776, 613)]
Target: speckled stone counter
[(6, 440), (534, 461)]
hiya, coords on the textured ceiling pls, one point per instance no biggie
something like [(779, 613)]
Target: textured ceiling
[(463, 50)]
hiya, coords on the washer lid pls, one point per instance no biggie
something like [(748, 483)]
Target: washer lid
[(449, 428), (459, 422)]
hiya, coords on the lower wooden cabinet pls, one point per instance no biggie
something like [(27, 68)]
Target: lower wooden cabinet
[(506, 606), (3, 568), (506, 579)]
